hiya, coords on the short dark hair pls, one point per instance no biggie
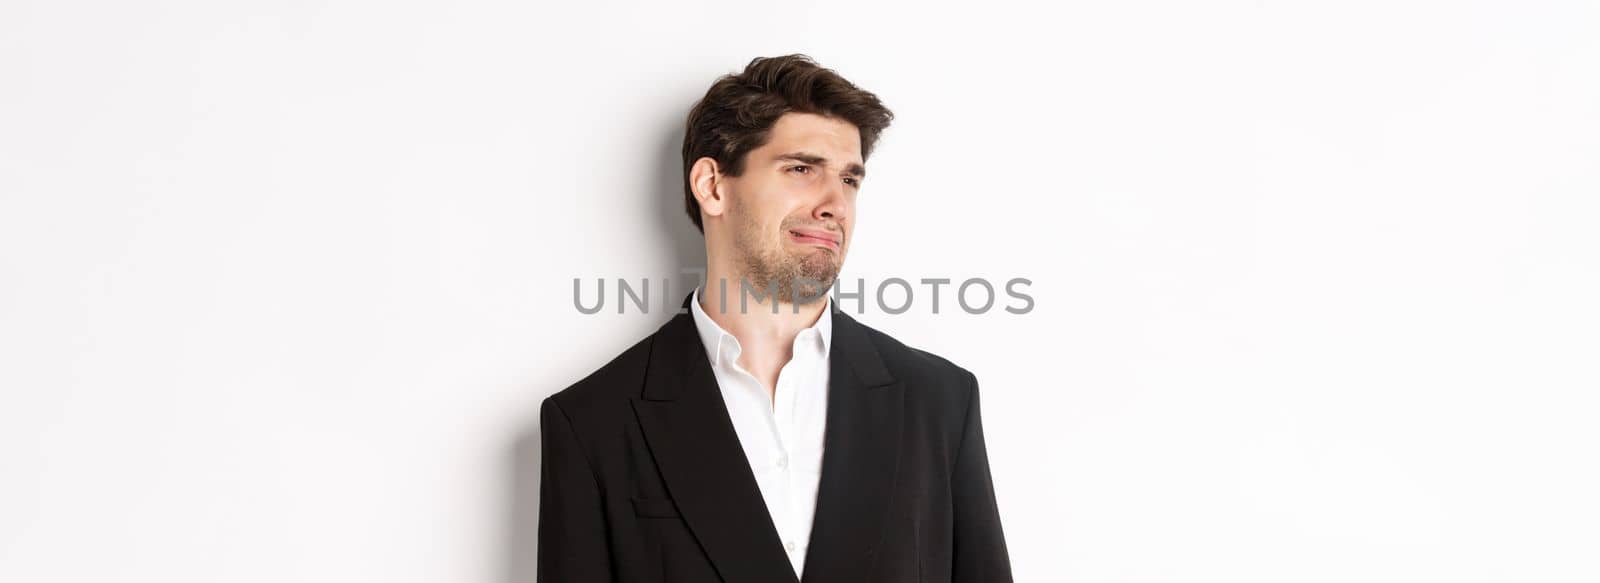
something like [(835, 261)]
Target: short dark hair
[(738, 112)]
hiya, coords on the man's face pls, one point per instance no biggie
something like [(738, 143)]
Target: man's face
[(792, 210)]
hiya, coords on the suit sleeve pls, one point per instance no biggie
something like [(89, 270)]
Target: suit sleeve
[(980, 554), (572, 527)]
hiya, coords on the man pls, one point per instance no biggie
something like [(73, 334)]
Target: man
[(698, 454)]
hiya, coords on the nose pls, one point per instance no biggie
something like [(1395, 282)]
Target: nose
[(832, 206)]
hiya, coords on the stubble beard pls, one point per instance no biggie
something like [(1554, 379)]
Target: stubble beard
[(804, 277)]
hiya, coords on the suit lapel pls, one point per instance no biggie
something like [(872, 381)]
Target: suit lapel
[(691, 435), (692, 438), (861, 448)]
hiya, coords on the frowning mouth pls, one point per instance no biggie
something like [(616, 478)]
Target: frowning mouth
[(813, 237)]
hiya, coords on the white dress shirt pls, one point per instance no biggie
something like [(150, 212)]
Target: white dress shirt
[(781, 436)]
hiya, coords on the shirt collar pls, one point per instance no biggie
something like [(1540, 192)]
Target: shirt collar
[(714, 338)]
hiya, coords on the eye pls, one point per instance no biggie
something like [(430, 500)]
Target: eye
[(852, 182), (802, 169)]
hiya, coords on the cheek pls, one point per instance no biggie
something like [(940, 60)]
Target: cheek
[(752, 211), (768, 204)]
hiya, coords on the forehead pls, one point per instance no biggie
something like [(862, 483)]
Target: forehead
[(834, 138)]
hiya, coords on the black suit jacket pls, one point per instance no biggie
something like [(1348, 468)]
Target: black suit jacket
[(644, 479)]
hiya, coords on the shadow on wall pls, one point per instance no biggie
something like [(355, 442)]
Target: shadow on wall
[(684, 248)]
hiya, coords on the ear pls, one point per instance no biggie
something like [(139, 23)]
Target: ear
[(706, 180)]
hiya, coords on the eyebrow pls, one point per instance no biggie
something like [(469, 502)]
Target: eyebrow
[(851, 169)]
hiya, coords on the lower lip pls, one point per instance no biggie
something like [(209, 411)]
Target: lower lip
[(813, 241)]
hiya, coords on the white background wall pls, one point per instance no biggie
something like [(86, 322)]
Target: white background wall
[(283, 283)]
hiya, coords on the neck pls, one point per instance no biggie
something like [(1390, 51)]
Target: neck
[(750, 318)]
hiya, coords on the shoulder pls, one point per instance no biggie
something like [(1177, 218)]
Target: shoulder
[(603, 388), (927, 374)]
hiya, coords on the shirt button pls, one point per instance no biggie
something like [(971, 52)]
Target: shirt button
[(783, 462), (788, 545)]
